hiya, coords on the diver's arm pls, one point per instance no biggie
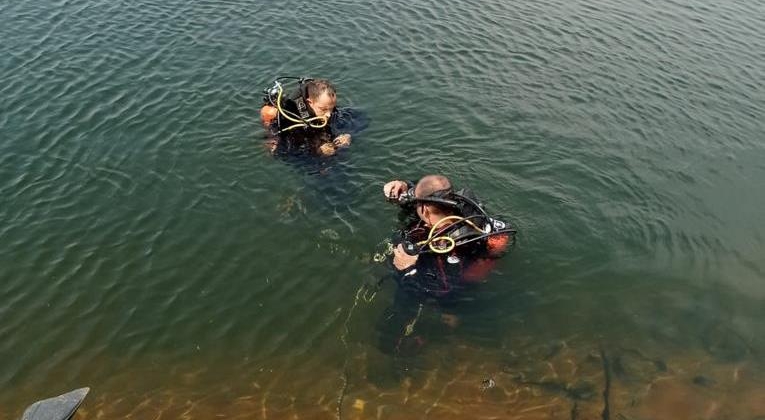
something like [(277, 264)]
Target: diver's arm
[(344, 123), (271, 144), (480, 268), (273, 140)]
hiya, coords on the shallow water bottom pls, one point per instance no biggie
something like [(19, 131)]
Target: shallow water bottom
[(558, 380)]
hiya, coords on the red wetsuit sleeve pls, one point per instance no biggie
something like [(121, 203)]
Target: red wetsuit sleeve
[(478, 270), (481, 267)]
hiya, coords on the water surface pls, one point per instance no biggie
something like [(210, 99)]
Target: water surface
[(154, 251)]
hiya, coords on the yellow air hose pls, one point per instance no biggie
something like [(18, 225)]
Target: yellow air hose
[(293, 118), (450, 241)]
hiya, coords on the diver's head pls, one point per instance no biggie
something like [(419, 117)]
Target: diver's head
[(320, 97), (432, 186)]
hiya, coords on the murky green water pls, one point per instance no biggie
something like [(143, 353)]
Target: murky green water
[(154, 251)]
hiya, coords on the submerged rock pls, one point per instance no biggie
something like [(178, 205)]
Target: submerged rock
[(633, 366), (725, 344), (702, 380), (330, 234)]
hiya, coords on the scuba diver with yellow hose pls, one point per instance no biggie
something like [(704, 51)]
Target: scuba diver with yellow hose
[(447, 244), (451, 242), (303, 120)]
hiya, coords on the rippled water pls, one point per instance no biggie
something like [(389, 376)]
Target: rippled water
[(154, 251)]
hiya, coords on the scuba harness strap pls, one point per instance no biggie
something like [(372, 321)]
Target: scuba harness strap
[(301, 97)]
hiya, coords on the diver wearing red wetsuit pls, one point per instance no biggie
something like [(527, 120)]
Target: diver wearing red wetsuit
[(449, 240)]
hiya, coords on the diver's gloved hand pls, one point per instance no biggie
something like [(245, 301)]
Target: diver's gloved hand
[(343, 140), (327, 149), (401, 259), (394, 189)]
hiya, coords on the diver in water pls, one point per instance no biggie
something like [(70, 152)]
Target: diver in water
[(449, 240), (303, 121), (448, 243)]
